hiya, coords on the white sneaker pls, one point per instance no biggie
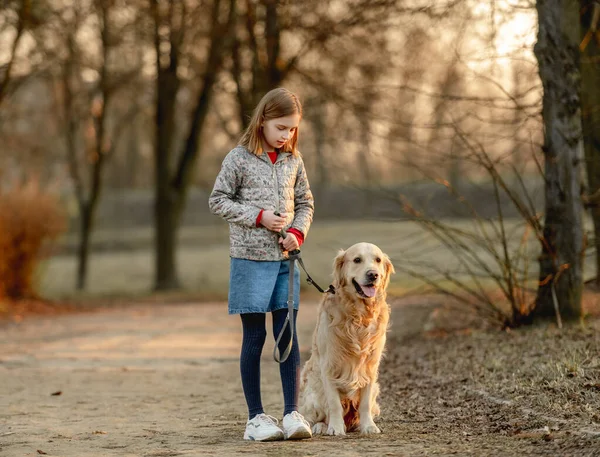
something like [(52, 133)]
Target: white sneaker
[(295, 427), (263, 428)]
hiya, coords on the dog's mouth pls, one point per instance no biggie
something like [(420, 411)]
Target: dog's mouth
[(366, 290)]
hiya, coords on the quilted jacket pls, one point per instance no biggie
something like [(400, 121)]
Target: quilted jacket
[(248, 183)]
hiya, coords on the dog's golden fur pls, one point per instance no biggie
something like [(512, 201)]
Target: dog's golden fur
[(339, 388)]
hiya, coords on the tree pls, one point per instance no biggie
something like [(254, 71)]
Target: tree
[(90, 133), (561, 260), (173, 173), (590, 110)]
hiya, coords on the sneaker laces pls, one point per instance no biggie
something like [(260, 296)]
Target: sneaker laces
[(296, 415), (270, 420)]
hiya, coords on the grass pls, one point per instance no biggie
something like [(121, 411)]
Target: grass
[(122, 264), (531, 391)]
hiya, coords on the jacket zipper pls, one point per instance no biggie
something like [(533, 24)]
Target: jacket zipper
[(275, 179)]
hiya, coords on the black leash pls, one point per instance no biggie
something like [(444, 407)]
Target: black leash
[(289, 320), (330, 289)]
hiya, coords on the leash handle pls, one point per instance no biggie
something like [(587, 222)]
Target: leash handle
[(283, 234)]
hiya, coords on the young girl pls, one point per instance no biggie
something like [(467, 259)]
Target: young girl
[(261, 189)]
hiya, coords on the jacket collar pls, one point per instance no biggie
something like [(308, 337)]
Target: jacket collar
[(281, 156), (265, 158)]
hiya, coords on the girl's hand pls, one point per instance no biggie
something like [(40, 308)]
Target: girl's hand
[(272, 222), (290, 243)]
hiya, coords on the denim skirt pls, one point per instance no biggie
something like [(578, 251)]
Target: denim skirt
[(260, 286)]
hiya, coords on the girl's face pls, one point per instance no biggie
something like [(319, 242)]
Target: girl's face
[(276, 132)]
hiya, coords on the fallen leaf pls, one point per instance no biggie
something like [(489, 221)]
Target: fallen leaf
[(99, 432)]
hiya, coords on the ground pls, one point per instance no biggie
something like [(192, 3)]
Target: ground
[(162, 380)]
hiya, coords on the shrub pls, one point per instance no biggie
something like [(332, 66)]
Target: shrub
[(494, 258), (30, 219)]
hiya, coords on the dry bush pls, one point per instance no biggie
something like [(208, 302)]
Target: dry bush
[(30, 219), (493, 271)]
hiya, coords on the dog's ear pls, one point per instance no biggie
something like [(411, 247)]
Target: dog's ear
[(338, 264), (389, 269)]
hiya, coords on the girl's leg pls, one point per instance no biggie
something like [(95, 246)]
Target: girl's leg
[(254, 335), (290, 369)]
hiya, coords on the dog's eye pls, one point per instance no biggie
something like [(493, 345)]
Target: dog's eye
[(357, 260), (378, 260)]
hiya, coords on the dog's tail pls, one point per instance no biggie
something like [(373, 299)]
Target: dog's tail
[(350, 414)]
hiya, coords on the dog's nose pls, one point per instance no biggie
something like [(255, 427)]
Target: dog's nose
[(372, 275)]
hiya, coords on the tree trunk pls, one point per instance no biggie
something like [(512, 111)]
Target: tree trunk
[(99, 152), (316, 116), (561, 260), (363, 131), (88, 209), (590, 104), (165, 197), (518, 153), (129, 175), (455, 169), (167, 212), (440, 140), (85, 232), (364, 156)]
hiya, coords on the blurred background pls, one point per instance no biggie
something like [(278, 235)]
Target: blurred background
[(115, 117)]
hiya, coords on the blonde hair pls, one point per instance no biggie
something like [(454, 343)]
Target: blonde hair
[(276, 103)]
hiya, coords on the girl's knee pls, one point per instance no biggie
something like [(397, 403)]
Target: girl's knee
[(258, 337)]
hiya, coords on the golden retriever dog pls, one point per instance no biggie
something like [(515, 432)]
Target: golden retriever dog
[(338, 387)]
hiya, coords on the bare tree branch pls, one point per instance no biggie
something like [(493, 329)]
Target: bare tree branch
[(21, 23)]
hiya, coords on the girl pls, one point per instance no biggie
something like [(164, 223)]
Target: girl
[(261, 189)]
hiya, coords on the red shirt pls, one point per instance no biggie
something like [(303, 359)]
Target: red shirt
[(297, 233)]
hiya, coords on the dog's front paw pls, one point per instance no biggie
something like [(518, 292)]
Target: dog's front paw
[(319, 428), (369, 429), (336, 428)]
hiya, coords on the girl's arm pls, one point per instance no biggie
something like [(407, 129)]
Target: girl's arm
[(221, 201), (304, 205)]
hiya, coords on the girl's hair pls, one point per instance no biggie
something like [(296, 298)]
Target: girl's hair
[(276, 103)]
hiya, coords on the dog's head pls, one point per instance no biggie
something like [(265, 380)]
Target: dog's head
[(363, 269)]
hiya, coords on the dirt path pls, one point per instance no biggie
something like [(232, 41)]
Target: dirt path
[(163, 380), (143, 381)]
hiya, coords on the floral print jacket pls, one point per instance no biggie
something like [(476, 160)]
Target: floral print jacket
[(248, 183)]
